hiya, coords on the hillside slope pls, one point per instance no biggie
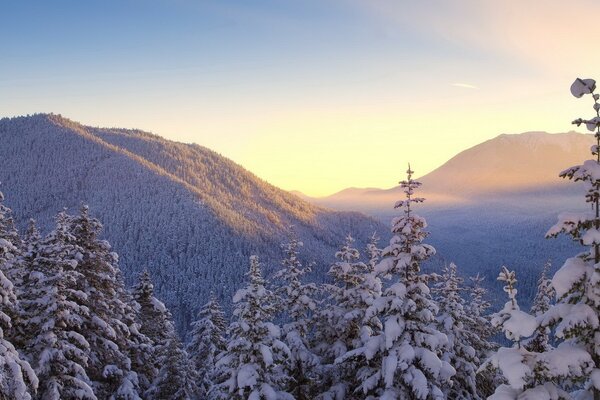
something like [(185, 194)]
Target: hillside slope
[(515, 166), (189, 215)]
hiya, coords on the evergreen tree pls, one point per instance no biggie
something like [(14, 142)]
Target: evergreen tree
[(374, 252), (454, 321), (408, 351), (480, 326), (17, 378), (338, 327), (540, 341), (574, 317), (207, 342), (532, 375), (297, 301), (253, 365), (176, 378), (155, 325), (54, 315), (108, 328)]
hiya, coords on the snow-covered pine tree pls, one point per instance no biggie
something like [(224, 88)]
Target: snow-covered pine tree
[(297, 301), (342, 321), (480, 325), (110, 314), (176, 379), (407, 353), (21, 333), (155, 324), (540, 341), (574, 317), (254, 364), (531, 375), (374, 252), (54, 314), (17, 378), (207, 341), (454, 321)]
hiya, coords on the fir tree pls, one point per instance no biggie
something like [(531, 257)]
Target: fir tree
[(297, 301), (207, 341), (339, 321), (176, 378), (17, 378), (540, 341), (108, 328), (253, 365), (480, 326), (531, 375), (54, 315), (574, 317), (408, 351), (454, 321), (155, 324)]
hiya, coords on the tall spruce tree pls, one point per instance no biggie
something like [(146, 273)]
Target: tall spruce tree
[(574, 317), (408, 351), (540, 341), (480, 326), (454, 321), (107, 329), (54, 314), (207, 341), (17, 378), (254, 364), (527, 374), (340, 320), (176, 379), (297, 302)]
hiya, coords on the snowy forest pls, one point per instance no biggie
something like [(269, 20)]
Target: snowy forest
[(379, 328)]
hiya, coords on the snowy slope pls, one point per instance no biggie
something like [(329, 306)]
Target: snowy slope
[(189, 215), (508, 166)]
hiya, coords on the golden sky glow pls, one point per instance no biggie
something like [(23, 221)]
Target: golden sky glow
[(316, 96)]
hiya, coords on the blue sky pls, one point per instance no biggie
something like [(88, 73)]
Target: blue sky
[(310, 95)]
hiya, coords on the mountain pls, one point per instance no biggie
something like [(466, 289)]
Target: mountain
[(492, 204), (514, 166), (187, 214)]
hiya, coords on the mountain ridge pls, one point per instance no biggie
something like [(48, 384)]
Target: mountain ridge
[(189, 215), (506, 165)]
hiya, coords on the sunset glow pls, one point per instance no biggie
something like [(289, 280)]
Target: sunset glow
[(315, 96)]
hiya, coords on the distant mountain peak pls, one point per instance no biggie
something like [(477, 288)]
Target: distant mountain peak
[(507, 163)]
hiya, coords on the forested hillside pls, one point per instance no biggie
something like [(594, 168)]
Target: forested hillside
[(189, 215)]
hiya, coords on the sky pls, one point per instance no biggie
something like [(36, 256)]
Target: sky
[(311, 95)]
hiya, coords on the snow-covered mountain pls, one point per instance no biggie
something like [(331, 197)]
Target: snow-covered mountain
[(515, 166), (189, 215), (492, 204)]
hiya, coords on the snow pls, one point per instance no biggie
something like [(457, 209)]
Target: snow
[(573, 270), (582, 86)]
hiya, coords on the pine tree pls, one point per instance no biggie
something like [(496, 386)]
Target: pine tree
[(17, 378), (253, 365), (374, 252), (574, 317), (540, 341), (480, 326), (408, 351), (154, 324), (454, 321), (206, 343), (54, 315), (338, 323), (297, 301), (532, 375), (176, 379), (108, 329)]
